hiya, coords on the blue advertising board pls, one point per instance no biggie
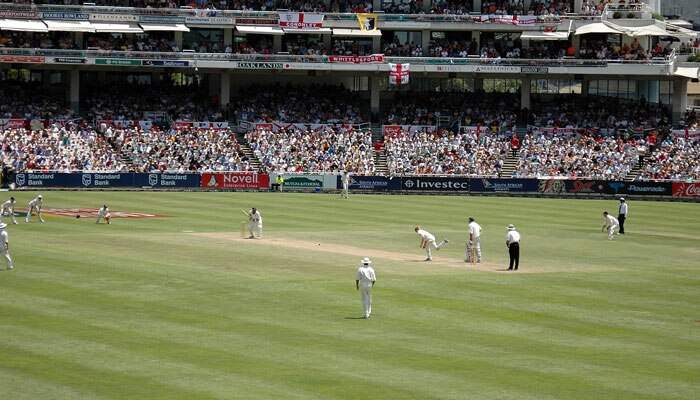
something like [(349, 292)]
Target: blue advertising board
[(435, 184), (105, 180), (363, 182), (167, 180), (504, 185)]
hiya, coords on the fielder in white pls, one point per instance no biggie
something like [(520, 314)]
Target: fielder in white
[(8, 209), (345, 180), (474, 240), (364, 282), (35, 208), (5, 246), (254, 221), (610, 223), (427, 239), (104, 213)]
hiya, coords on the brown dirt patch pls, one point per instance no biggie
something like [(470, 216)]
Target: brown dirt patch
[(359, 253)]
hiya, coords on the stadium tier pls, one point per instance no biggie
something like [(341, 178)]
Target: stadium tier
[(276, 86)]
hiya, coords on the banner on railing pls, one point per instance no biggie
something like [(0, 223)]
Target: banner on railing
[(12, 123), (300, 20), (398, 130), (276, 126), (399, 74), (506, 19), (687, 134), (374, 58)]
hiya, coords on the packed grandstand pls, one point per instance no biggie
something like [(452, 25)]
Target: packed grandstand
[(154, 100)]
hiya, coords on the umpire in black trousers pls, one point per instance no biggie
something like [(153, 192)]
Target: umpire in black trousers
[(513, 243)]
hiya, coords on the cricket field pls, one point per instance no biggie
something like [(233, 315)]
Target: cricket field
[(170, 302)]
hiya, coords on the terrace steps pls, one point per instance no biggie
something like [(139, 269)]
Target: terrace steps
[(634, 173), (509, 166)]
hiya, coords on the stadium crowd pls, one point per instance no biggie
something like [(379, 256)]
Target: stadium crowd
[(325, 150), (444, 152), (674, 158), (575, 156)]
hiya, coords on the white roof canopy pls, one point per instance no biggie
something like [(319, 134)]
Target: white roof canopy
[(164, 27), (537, 35), (123, 27), (688, 72), (23, 25), (69, 26), (597, 27), (262, 30), (355, 32)]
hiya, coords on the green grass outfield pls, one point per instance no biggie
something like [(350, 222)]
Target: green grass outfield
[(183, 308)]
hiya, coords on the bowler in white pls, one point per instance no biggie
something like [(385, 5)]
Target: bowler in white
[(427, 240), (364, 282)]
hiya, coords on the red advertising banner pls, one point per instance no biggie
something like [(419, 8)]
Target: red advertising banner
[(683, 189), (374, 58), (236, 180), (22, 59), (11, 123)]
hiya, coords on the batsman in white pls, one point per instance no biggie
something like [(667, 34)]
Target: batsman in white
[(610, 223), (345, 180), (364, 282), (8, 209), (35, 208), (104, 213), (254, 221), (427, 239), (474, 240), (5, 246)]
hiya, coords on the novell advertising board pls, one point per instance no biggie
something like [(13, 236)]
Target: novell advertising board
[(236, 180), (684, 189)]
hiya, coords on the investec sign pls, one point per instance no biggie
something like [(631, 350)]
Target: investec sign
[(454, 184), (236, 180), (260, 65)]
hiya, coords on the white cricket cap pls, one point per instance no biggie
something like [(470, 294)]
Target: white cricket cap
[(366, 261)]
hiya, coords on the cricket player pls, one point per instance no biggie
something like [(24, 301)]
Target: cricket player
[(610, 223), (254, 221), (5, 246), (427, 239), (364, 282), (8, 209), (104, 213), (474, 240), (35, 207), (345, 180)]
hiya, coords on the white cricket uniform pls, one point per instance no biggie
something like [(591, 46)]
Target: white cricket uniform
[(611, 223), (103, 213), (475, 235), (346, 185), (255, 222), (4, 248), (35, 208), (8, 208), (366, 277), (430, 240)]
